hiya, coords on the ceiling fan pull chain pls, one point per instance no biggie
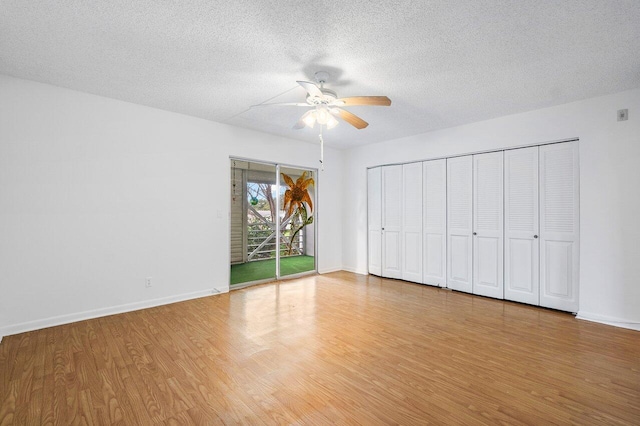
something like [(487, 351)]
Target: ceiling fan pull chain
[(321, 150)]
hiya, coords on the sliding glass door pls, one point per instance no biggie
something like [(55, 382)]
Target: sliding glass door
[(297, 221), (254, 212), (272, 221)]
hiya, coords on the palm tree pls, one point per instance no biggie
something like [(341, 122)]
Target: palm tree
[(296, 200)]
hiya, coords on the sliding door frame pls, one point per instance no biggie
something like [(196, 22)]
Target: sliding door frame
[(277, 220)]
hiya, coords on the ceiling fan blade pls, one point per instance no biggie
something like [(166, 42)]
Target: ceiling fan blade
[(350, 118), (282, 104), (311, 88), (301, 123), (363, 100)]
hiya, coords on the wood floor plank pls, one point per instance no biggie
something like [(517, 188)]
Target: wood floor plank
[(8, 404), (333, 349), (140, 407), (48, 406), (150, 397), (204, 415)]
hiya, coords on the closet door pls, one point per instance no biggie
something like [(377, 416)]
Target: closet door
[(521, 252), (459, 222), (487, 225), (435, 222), (412, 222), (391, 221), (374, 220), (559, 226)]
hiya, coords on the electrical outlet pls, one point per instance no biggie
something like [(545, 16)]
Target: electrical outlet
[(623, 114), (147, 282)]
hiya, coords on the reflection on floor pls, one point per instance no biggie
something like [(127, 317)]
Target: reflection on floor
[(264, 269)]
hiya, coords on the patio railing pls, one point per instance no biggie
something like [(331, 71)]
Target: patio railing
[(261, 239)]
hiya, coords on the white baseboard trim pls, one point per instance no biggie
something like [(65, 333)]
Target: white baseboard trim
[(329, 270), (103, 312), (603, 319), (355, 270)]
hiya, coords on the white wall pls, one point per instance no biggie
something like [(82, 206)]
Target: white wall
[(609, 190), (97, 194)]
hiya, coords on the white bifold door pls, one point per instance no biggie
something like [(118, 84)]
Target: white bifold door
[(521, 251), (434, 189), (501, 224), (411, 240), (559, 226), (374, 220), (391, 221), (488, 225), (459, 223)]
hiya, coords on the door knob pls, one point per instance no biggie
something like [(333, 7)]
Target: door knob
[(475, 233), (535, 236)]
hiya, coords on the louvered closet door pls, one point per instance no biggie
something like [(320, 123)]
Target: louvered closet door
[(374, 220), (412, 222), (435, 222), (559, 226), (391, 221), (521, 251), (487, 225), (459, 222)]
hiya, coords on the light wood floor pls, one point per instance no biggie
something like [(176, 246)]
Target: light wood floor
[(338, 348)]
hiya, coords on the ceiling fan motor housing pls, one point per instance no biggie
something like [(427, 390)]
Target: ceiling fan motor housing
[(328, 96), (322, 77)]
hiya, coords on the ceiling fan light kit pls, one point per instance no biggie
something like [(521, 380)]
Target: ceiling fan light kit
[(320, 115)]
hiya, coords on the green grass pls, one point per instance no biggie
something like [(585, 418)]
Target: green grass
[(264, 269)]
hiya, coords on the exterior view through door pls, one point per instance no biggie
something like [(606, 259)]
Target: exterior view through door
[(272, 221)]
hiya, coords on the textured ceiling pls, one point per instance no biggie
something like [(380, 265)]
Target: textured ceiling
[(443, 63)]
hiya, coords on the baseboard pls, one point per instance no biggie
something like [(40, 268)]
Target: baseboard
[(355, 270), (329, 270), (603, 319), (103, 312)]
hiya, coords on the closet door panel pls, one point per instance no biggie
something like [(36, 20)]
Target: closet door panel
[(391, 255), (559, 226), (412, 222), (435, 259), (374, 220), (558, 277), (391, 221), (486, 261), (521, 226), (412, 257), (435, 222), (459, 223), (460, 262), (488, 225)]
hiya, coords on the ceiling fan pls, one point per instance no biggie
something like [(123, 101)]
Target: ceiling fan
[(326, 105)]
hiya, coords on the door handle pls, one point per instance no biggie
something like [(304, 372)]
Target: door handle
[(475, 233), (535, 236)]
